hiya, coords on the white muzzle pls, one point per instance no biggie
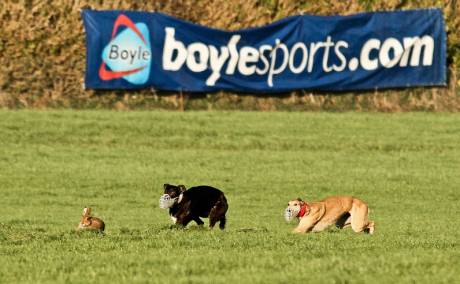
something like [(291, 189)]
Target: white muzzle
[(290, 213), (166, 201)]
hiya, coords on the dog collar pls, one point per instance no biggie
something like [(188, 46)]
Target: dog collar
[(304, 210)]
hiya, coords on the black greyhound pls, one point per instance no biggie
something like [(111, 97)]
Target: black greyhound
[(190, 204)]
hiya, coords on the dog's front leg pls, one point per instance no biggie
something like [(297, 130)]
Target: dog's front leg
[(303, 227), (306, 223), (183, 216), (183, 220)]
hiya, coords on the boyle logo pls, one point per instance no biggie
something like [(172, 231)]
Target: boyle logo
[(128, 54)]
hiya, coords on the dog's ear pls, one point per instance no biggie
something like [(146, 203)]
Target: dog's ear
[(182, 187), (299, 199), (165, 186)]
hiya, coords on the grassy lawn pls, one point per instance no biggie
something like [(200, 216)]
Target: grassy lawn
[(53, 163)]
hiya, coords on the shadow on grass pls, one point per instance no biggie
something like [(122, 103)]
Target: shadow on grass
[(86, 233), (252, 230)]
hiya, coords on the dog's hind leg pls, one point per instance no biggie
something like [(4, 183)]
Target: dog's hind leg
[(370, 225), (217, 213), (198, 220), (214, 216), (212, 222), (359, 218), (344, 221), (222, 222), (370, 228)]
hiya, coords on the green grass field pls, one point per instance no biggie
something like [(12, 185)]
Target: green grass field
[(53, 163)]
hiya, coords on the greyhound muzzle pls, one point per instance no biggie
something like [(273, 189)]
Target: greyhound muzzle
[(166, 201), (290, 213)]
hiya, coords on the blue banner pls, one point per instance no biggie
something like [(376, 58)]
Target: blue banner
[(133, 50)]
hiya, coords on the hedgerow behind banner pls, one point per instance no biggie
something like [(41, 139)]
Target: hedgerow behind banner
[(132, 50)]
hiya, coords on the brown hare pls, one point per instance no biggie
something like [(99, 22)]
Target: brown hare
[(90, 223)]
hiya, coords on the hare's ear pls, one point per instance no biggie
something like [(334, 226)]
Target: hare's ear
[(86, 211), (299, 199), (182, 187)]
